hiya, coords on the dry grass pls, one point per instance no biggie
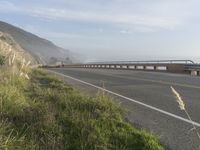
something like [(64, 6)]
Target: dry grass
[(182, 107), (178, 99)]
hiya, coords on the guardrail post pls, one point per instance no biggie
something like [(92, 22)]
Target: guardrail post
[(155, 68), (198, 73)]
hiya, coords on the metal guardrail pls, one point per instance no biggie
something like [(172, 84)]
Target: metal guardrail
[(148, 61), (173, 66)]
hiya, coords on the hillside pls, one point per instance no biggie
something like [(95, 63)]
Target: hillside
[(42, 50), (9, 48)]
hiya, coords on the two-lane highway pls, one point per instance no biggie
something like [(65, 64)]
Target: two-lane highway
[(149, 98)]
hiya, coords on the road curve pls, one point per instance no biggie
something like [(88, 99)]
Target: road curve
[(149, 99)]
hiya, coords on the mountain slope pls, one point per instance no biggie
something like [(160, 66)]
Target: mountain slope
[(42, 50), (10, 48)]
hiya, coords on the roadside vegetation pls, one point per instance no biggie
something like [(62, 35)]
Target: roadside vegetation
[(2, 60), (40, 111)]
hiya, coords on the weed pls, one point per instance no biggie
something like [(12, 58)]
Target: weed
[(182, 107)]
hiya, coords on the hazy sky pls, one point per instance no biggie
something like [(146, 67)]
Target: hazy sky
[(113, 29)]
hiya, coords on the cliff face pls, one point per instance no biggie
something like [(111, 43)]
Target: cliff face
[(9, 47), (42, 50)]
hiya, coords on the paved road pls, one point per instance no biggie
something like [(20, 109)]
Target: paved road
[(153, 90)]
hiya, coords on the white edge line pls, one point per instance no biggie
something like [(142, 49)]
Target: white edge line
[(132, 100)]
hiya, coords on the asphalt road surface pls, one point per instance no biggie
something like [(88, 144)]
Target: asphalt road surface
[(149, 99)]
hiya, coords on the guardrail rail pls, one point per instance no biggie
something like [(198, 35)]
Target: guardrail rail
[(172, 66)]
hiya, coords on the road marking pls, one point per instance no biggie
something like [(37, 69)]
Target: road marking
[(132, 100)]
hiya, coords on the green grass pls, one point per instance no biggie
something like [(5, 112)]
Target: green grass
[(45, 113)]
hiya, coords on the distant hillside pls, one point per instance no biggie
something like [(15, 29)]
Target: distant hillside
[(42, 50)]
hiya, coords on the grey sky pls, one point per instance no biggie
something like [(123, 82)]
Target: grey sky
[(113, 29)]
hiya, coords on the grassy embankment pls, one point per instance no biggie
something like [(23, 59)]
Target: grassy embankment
[(45, 113)]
